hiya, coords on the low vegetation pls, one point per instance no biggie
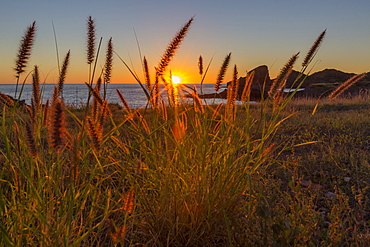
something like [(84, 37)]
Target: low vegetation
[(281, 172)]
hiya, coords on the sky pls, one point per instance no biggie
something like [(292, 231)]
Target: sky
[(256, 32)]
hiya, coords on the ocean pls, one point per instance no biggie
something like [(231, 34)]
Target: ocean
[(77, 94)]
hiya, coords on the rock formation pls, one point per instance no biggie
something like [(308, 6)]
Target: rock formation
[(318, 84)]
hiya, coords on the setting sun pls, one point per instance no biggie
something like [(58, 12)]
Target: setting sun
[(176, 79)]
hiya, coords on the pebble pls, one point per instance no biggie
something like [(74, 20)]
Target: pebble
[(331, 195), (347, 179)]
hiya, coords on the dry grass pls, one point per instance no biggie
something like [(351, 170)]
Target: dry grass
[(5, 99), (200, 65), (95, 133), (247, 87), (91, 37), (222, 72), (25, 49), (172, 47), (345, 85), (147, 75), (36, 93), (314, 48), (108, 62), (30, 139), (57, 126), (279, 83), (63, 73)]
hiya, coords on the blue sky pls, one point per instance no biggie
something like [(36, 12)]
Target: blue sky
[(255, 32)]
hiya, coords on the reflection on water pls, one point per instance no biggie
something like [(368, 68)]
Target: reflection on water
[(77, 94), (291, 90)]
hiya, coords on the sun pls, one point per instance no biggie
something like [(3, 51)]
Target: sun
[(176, 79)]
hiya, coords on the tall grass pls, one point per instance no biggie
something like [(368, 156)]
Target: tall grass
[(24, 52), (178, 175)]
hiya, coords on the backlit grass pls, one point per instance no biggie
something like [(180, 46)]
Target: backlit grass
[(176, 174)]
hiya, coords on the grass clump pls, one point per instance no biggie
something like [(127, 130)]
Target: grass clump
[(181, 174)]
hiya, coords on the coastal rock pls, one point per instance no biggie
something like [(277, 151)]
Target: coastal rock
[(260, 84), (292, 80), (329, 76), (322, 83), (261, 77), (318, 84)]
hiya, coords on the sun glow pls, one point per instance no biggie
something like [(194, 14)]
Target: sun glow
[(176, 79)]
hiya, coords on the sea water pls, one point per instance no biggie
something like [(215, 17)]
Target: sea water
[(77, 94)]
